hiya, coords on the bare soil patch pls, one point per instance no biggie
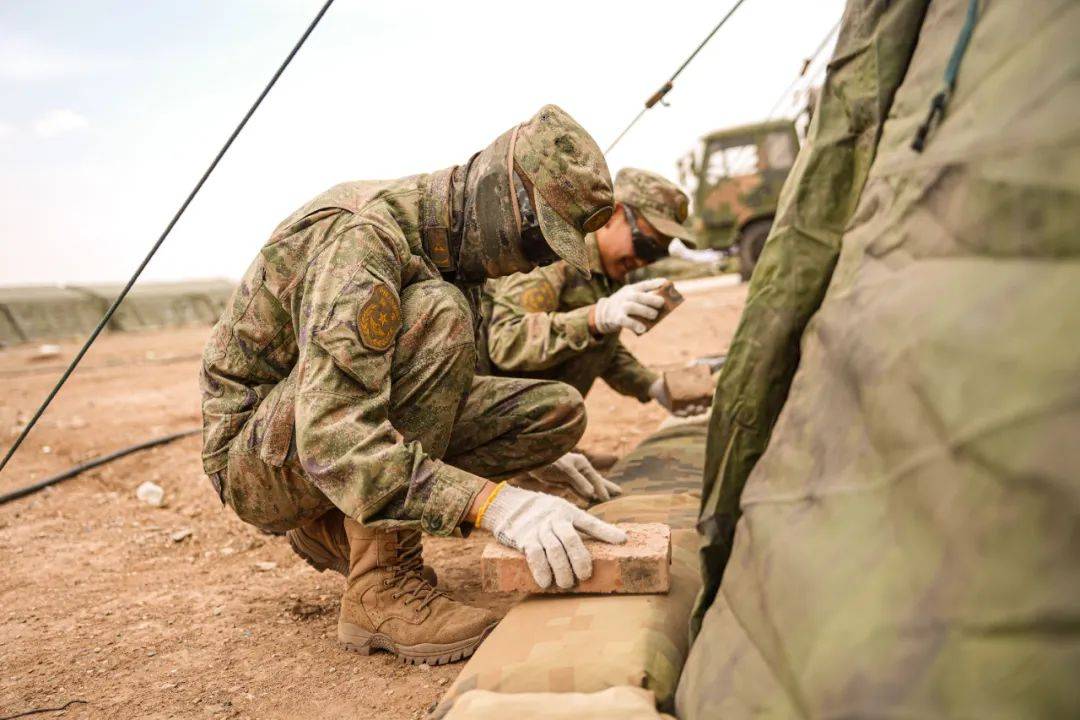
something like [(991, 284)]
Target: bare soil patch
[(183, 611)]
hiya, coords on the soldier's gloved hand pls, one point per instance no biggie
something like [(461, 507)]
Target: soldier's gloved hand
[(627, 305), (545, 528), (658, 392), (575, 470)]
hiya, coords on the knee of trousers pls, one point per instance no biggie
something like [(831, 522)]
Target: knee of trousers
[(274, 499), (436, 326), (563, 416)]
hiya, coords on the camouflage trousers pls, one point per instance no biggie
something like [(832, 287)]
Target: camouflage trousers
[(492, 427)]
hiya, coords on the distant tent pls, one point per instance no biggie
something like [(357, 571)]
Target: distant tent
[(161, 305), (40, 313), (892, 500), (35, 313)]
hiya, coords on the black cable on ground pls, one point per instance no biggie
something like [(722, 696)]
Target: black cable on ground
[(191, 196), (666, 87), (38, 711), (90, 464)]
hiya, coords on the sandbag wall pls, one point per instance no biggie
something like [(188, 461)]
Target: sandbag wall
[(46, 313), (563, 654)]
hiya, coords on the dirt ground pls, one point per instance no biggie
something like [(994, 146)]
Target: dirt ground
[(184, 611)]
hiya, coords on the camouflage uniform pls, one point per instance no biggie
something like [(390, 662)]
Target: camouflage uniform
[(537, 324), (342, 372)]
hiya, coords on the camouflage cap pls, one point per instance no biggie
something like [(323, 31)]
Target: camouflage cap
[(661, 201), (571, 180)]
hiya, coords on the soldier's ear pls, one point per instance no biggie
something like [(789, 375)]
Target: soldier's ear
[(618, 216)]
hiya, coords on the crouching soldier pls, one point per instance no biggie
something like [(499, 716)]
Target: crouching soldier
[(556, 323), (339, 399)]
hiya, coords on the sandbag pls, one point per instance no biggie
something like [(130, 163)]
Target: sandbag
[(617, 703), (668, 461), (679, 510), (908, 542), (588, 643)]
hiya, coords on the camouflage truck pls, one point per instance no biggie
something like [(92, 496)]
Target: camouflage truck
[(736, 175)]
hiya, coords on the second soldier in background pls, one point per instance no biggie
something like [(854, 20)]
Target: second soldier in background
[(556, 323)]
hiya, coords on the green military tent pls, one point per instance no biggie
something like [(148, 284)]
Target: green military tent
[(35, 313), (891, 505), (43, 313)]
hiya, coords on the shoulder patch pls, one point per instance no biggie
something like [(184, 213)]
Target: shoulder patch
[(539, 297), (379, 319), (438, 248)]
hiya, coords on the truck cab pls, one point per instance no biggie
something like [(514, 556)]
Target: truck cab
[(735, 177)]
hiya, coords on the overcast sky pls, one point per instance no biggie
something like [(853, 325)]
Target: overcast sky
[(112, 108)]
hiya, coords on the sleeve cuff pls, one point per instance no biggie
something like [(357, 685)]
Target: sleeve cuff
[(576, 328), (641, 391), (450, 498)]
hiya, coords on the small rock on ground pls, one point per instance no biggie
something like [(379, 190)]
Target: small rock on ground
[(151, 493), (181, 535)]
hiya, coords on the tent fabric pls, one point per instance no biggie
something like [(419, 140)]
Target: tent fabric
[(744, 687), (589, 643), (872, 52), (909, 539)]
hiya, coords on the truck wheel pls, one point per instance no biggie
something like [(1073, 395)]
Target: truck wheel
[(751, 241)]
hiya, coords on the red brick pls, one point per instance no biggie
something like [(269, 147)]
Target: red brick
[(672, 299), (642, 565), (686, 386)]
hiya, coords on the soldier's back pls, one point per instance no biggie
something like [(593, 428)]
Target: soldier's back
[(255, 344)]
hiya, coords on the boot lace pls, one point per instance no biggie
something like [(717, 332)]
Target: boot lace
[(406, 578)]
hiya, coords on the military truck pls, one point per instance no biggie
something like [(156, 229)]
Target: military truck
[(735, 177)]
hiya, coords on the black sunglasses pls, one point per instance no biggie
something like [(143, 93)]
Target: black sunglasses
[(533, 244), (647, 248)]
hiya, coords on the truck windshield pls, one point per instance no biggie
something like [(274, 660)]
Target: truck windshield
[(731, 161), (779, 151)]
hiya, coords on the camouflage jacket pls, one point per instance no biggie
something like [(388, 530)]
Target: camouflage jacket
[(319, 305), (537, 325)]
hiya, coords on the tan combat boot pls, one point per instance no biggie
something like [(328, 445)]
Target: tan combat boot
[(388, 605), (322, 542), (323, 545)]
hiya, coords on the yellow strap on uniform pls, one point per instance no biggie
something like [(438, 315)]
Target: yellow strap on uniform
[(487, 503)]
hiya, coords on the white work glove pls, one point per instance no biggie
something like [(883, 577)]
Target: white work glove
[(626, 305), (575, 470), (658, 392), (545, 528)]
